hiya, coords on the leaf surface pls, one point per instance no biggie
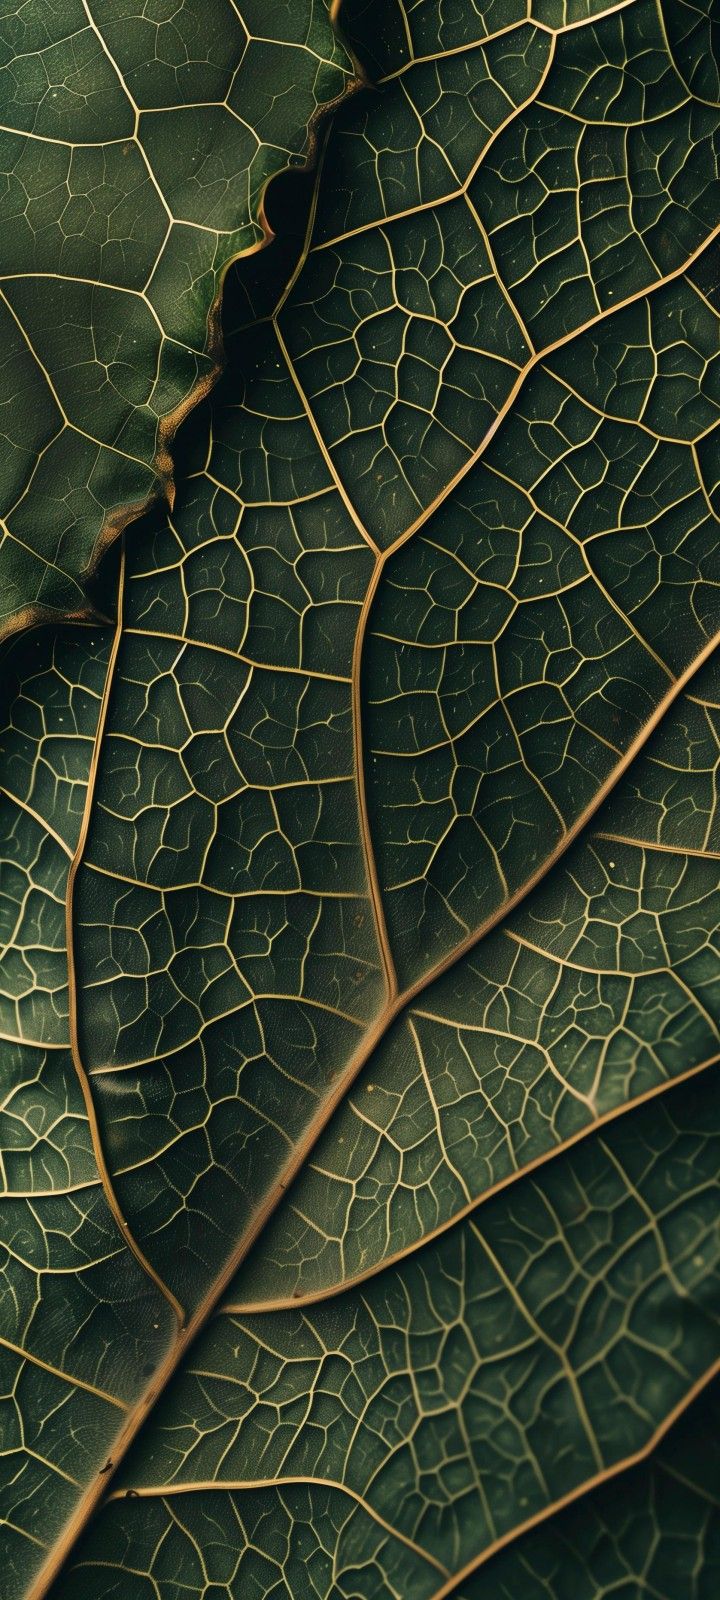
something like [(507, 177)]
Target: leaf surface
[(136, 146), (653, 1532), (394, 912), (482, 1380), (82, 1324)]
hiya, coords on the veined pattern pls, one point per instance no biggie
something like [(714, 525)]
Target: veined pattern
[(392, 881)]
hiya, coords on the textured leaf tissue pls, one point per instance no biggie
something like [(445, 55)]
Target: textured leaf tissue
[(359, 799)]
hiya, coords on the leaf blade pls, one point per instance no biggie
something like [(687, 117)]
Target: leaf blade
[(236, 905)]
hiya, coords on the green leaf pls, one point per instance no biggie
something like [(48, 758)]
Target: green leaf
[(393, 915), (599, 991), (469, 1388), (136, 146), (653, 1532), (83, 1326)]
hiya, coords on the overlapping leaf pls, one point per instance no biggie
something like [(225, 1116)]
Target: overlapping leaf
[(400, 874), (135, 148)]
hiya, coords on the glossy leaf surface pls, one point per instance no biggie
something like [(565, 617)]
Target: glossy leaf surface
[(136, 145), (395, 980)]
